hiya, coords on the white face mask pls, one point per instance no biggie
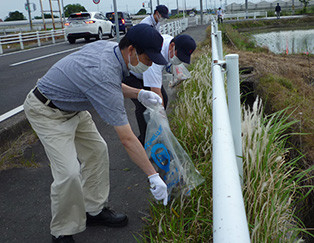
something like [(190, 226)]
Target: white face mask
[(139, 68), (160, 19), (175, 60)]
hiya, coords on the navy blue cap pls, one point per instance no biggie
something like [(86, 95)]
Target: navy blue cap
[(147, 38), (163, 10), (185, 45)]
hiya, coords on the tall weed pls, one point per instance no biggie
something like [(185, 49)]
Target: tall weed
[(271, 179)]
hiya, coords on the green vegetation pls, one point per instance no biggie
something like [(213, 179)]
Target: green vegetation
[(46, 16), (273, 182), (73, 8), (12, 154), (13, 16), (305, 4), (257, 25), (238, 40), (142, 11)]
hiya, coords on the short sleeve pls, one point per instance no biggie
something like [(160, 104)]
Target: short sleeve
[(153, 76)]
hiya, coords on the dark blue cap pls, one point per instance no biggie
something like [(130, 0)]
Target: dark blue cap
[(147, 38), (163, 10), (185, 45)]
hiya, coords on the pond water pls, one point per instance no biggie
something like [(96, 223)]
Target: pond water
[(290, 42)]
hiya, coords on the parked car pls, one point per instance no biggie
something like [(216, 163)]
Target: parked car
[(192, 14), (125, 21), (88, 25)]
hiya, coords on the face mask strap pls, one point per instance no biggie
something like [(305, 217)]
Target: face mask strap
[(136, 57)]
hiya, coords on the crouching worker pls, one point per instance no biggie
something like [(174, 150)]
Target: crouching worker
[(175, 50), (57, 110)]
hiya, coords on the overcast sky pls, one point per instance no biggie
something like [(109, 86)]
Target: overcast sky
[(131, 6)]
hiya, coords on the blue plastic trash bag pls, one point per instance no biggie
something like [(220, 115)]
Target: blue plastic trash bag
[(165, 152)]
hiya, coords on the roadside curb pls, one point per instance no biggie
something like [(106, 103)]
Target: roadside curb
[(13, 127)]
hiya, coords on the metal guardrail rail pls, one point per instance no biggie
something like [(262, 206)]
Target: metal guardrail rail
[(229, 218)]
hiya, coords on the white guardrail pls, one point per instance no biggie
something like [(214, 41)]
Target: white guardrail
[(20, 38), (243, 15), (172, 28), (229, 218)]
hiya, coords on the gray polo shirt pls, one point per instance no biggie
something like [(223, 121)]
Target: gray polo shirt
[(90, 77)]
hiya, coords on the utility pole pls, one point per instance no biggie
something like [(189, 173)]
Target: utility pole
[(201, 3), (53, 19), (42, 14), (177, 7), (157, 2), (29, 14), (246, 9), (60, 14), (63, 16), (151, 6), (116, 20)]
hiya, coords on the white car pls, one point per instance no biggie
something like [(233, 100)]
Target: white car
[(87, 25)]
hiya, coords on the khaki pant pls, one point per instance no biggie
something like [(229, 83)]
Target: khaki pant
[(79, 164)]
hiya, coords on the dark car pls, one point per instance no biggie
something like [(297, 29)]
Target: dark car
[(125, 21)]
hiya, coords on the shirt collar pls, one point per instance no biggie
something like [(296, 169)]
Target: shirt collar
[(120, 59), (153, 19)]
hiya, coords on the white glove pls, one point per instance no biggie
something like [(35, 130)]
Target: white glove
[(158, 188), (149, 98)]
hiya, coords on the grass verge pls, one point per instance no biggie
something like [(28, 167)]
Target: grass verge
[(12, 154), (273, 182)]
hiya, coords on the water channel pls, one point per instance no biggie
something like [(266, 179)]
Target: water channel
[(289, 42)]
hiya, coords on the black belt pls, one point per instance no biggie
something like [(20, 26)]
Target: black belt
[(43, 99)]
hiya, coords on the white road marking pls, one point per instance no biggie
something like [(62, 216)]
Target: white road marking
[(42, 57), (11, 113), (35, 48)]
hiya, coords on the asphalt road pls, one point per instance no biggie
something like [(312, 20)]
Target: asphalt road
[(24, 197), (19, 71)]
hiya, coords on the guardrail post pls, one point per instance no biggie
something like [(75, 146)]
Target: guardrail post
[(65, 36), (53, 37), (234, 106), (1, 50), (177, 28), (266, 14), (38, 39), (21, 41), (220, 51)]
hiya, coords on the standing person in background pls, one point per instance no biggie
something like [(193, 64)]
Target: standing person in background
[(278, 10), (57, 110), (219, 15), (155, 20), (175, 50)]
